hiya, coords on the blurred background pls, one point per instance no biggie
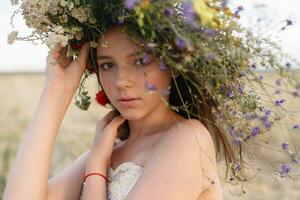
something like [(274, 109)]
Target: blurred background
[(22, 68)]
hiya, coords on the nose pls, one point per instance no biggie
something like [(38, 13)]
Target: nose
[(123, 78)]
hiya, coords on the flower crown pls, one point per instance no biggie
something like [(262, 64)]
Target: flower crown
[(199, 38)]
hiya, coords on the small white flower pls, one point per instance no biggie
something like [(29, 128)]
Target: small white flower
[(81, 13), (77, 32), (59, 30), (54, 7), (63, 18), (14, 2), (64, 3), (71, 6), (12, 37), (55, 38)]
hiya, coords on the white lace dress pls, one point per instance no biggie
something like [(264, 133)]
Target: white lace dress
[(121, 180)]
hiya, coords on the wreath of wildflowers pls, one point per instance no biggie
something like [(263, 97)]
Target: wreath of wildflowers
[(200, 39)]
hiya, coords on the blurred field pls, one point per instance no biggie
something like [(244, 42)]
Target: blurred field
[(19, 97)]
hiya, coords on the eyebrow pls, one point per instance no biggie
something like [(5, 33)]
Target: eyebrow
[(129, 55)]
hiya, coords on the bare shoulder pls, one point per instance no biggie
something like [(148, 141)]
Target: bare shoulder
[(200, 140), (194, 131), (178, 161)]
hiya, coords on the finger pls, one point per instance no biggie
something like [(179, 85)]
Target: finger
[(83, 54), (115, 123), (55, 51), (106, 119), (110, 115), (63, 52), (54, 56)]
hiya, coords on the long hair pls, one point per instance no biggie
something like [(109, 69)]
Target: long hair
[(182, 95)]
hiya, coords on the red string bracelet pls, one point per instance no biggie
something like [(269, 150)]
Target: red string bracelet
[(95, 174)]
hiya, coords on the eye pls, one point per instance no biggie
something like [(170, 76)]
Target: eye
[(107, 66)]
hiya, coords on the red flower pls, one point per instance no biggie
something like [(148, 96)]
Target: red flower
[(76, 46), (101, 98)]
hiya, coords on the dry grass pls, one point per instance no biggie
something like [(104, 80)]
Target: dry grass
[(20, 95)]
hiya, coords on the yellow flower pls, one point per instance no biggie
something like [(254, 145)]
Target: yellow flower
[(203, 11), (145, 3)]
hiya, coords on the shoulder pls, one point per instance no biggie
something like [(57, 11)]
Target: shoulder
[(192, 134), (190, 145), (177, 162)]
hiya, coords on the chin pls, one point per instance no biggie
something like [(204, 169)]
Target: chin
[(131, 114)]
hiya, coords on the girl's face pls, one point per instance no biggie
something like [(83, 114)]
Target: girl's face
[(134, 83)]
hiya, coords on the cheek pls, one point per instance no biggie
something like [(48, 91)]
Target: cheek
[(106, 81), (160, 79)]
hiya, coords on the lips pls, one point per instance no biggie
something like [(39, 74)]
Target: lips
[(127, 99)]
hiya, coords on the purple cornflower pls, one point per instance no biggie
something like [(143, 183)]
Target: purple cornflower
[(224, 3), (268, 112), (254, 116), (232, 130), (241, 74), (294, 160), (162, 66), (296, 126), (284, 169), (241, 88), (230, 94), (237, 142), (265, 121), (120, 18), (288, 65), (180, 43), (210, 56), (238, 10), (168, 12), (279, 102), (284, 146), (278, 82), (211, 32), (295, 94), (130, 4), (188, 11), (146, 58), (255, 131), (238, 167), (277, 91), (289, 22), (150, 87), (247, 116)]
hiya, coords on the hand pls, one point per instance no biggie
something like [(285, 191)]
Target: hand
[(106, 133), (61, 71)]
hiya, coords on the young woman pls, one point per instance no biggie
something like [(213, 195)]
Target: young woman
[(166, 156)]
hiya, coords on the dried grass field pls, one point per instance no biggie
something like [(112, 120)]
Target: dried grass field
[(19, 97)]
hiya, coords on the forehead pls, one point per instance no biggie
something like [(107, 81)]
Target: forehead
[(116, 42)]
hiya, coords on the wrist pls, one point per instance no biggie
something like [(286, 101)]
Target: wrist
[(93, 167)]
